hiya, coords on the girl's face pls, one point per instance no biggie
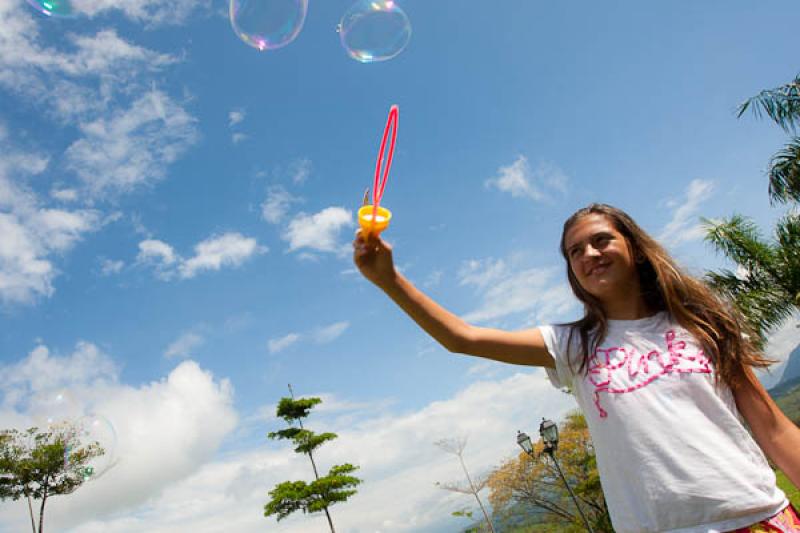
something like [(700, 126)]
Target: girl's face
[(601, 258)]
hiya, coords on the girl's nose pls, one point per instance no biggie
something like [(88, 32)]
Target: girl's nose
[(591, 251)]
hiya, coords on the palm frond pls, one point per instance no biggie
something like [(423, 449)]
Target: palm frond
[(781, 104), (740, 240), (784, 174), (765, 307), (787, 235)]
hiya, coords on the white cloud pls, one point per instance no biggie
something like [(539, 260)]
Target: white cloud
[(184, 345), (319, 231), (110, 266), (519, 180), (24, 271), (165, 430), (320, 335), (132, 147), (64, 195), (155, 251), (330, 333), (481, 273), (236, 138), (31, 232), (300, 170), (43, 372), (685, 225), (227, 250), (151, 12), (505, 292), (280, 344), (104, 52), (277, 204), (235, 117), (97, 83), (433, 279), (61, 78)]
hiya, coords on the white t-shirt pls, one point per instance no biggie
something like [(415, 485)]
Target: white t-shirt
[(672, 451)]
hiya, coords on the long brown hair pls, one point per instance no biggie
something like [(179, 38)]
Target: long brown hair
[(719, 328)]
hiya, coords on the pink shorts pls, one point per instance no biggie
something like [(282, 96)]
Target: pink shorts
[(786, 521)]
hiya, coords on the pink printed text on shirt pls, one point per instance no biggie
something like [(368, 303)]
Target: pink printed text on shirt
[(620, 370)]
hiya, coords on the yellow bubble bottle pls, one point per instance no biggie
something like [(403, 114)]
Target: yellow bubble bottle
[(373, 227)]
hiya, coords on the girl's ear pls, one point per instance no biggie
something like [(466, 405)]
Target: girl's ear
[(639, 258)]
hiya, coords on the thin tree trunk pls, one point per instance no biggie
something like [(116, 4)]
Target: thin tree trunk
[(314, 466), (30, 512), (316, 476), (475, 492), (41, 509)]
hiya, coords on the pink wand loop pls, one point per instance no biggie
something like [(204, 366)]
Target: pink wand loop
[(380, 184)]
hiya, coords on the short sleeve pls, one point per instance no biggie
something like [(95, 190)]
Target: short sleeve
[(556, 339)]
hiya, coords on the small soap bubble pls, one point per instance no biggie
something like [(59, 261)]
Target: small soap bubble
[(268, 24), (54, 8), (374, 30)]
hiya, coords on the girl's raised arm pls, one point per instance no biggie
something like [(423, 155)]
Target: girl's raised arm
[(373, 257)]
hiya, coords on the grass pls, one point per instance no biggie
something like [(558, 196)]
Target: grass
[(792, 492)]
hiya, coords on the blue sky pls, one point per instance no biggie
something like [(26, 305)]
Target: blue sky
[(176, 212)]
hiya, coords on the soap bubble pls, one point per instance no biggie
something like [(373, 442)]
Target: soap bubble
[(268, 24), (95, 430), (54, 8), (374, 31)]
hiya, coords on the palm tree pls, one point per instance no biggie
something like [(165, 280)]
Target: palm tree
[(782, 105), (766, 284)]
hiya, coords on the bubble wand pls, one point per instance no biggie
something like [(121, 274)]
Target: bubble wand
[(373, 219)]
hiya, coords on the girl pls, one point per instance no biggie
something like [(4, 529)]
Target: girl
[(661, 368)]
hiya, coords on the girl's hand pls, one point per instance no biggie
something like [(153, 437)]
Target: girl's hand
[(373, 257)]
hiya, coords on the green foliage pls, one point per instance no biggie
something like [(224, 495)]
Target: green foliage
[(784, 173), (781, 104), (291, 496), (317, 496), (305, 440), (767, 287), (465, 512), (292, 410), (38, 464), (32, 462), (523, 487)]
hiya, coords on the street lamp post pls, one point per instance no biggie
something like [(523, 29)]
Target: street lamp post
[(549, 432)]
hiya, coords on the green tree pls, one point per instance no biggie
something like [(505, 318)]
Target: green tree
[(39, 464), (534, 487), (782, 105), (290, 496), (766, 284)]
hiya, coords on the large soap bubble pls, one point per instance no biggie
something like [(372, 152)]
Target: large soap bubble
[(95, 431), (268, 24), (54, 8), (375, 30)]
